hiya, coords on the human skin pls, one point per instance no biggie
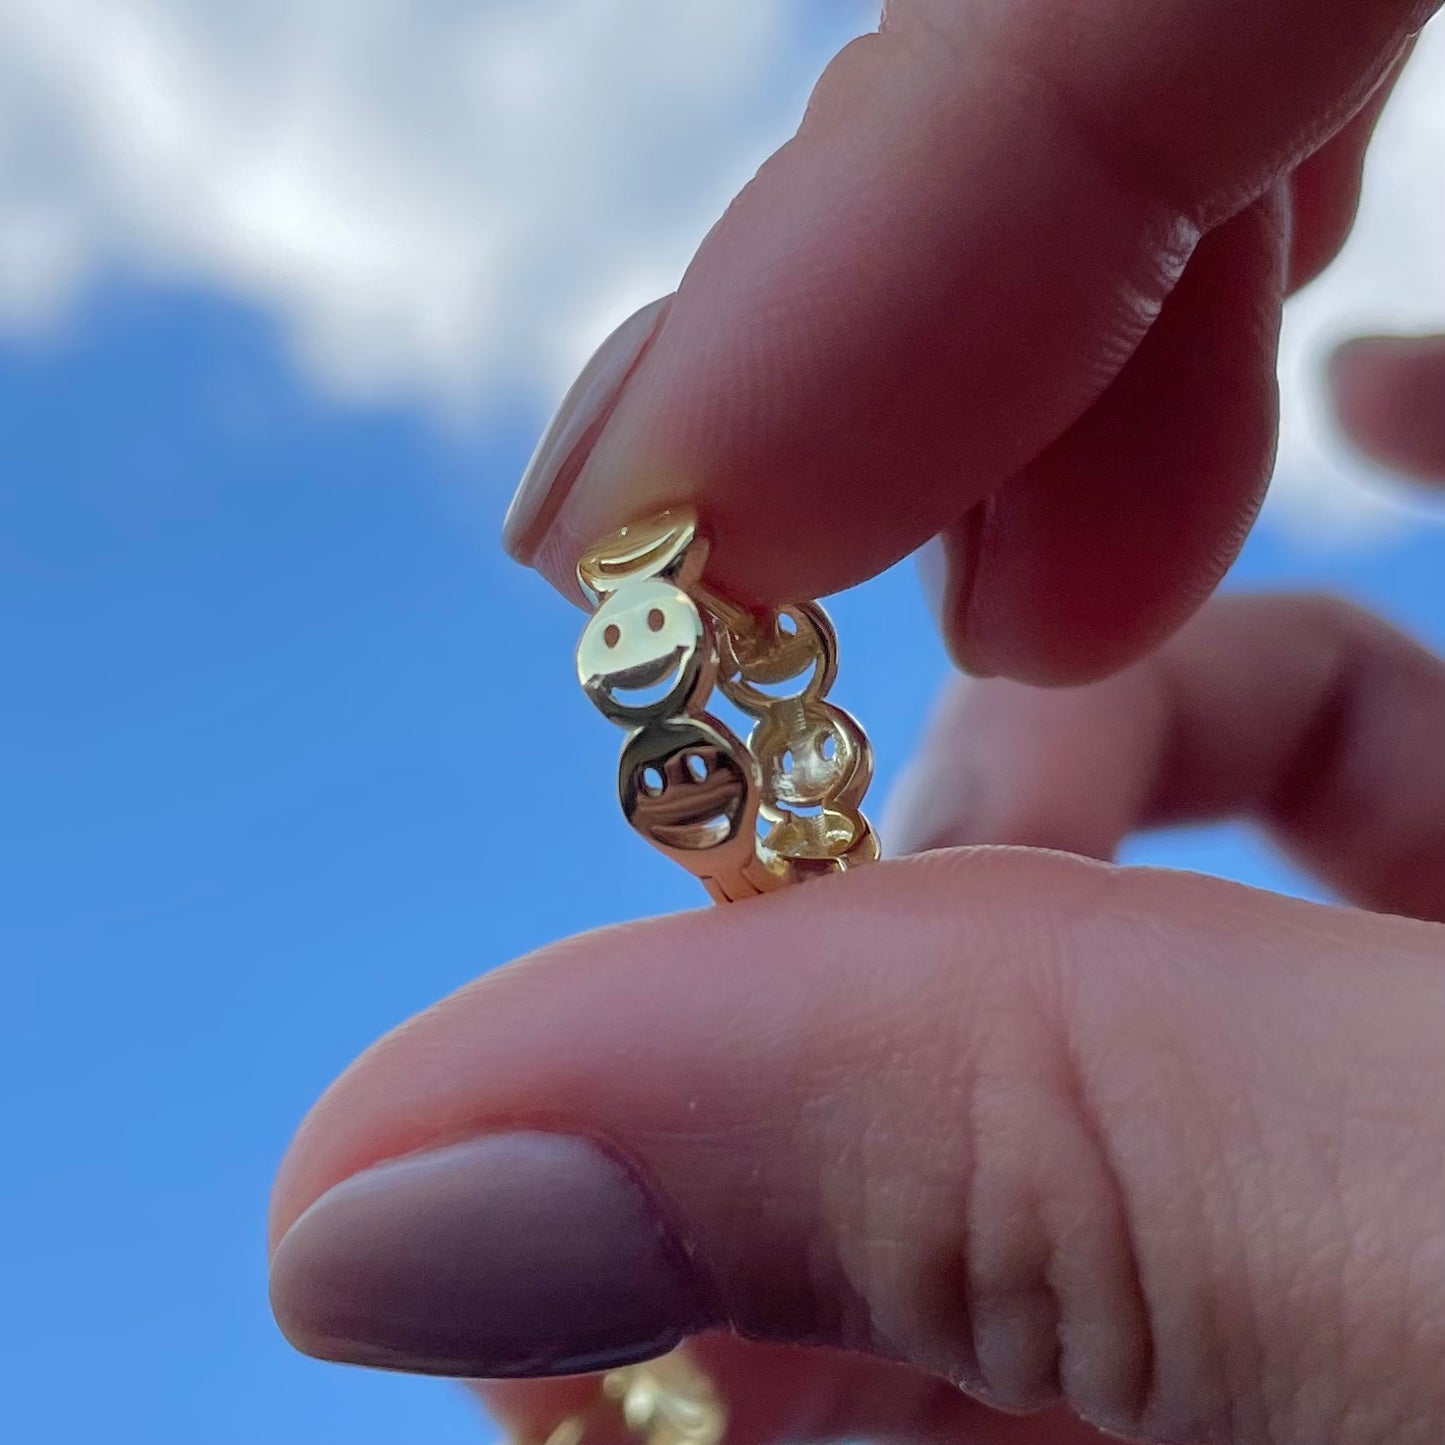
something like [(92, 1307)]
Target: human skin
[(986, 1129), (1161, 1150), (1017, 281)]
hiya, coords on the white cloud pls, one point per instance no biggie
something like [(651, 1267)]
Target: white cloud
[(449, 200), (435, 197)]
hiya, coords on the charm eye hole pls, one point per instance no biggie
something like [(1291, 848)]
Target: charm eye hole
[(651, 781), (656, 620), (612, 634), (697, 767), (828, 748)]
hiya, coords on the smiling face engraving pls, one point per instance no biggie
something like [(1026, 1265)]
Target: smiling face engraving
[(686, 788), (645, 653)]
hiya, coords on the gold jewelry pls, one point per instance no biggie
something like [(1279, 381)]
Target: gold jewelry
[(650, 657), (667, 1401)]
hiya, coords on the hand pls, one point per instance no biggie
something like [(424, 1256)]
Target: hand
[(1162, 1148), (1016, 280)]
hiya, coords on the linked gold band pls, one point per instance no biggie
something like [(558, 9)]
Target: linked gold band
[(745, 818)]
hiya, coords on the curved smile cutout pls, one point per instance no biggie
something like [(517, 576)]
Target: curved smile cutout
[(644, 653), (643, 677), (683, 789)]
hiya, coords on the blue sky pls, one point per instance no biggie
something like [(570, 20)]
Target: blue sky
[(285, 742), (285, 737)]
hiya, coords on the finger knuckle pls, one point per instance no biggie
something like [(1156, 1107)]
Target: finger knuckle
[(1084, 1273)]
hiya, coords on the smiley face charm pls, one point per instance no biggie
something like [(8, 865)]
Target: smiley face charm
[(691, 789), (646, 653), (684, 789), (814, 755), (648, 659), (650, 656)]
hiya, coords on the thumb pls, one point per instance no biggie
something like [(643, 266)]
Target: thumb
[(1158, 1145)]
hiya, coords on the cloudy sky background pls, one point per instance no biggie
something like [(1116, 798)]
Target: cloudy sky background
[(287, 288), (435, 199), (449, 203)]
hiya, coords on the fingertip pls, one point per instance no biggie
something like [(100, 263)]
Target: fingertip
[(1353, 382), (1388, 394), (1106, 543), (1352, 363)]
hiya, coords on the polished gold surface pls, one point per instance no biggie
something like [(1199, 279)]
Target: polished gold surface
[(666, 1401), (646, 654), (745, 818), (667, 545)]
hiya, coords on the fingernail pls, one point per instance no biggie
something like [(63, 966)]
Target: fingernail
[(513, 1254), (573, 431)]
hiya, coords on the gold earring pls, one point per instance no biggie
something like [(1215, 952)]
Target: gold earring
[(745, 818)]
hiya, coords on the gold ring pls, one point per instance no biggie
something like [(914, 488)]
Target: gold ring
[(667, 1401), (744, 818)]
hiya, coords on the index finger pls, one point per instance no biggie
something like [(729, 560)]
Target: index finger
[(981, 215)]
